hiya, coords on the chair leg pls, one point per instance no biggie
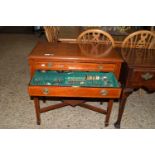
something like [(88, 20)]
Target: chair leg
[(37, 109), (109, 108)]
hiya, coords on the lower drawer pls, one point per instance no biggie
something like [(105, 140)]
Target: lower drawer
[(57, 91), (143, 77)]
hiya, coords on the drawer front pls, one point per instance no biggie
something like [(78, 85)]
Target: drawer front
[(143, 77), (74, 66), (56, 91)]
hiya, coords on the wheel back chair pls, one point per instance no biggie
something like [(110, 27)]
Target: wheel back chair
[(51, 33), (142, 39), (95, 37)]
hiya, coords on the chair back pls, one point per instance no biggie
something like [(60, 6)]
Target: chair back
[(97, 36), (51, 33), (95, 42), (140, 39)]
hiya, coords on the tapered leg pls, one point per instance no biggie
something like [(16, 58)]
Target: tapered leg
[(120, 112), (37, 109), (109, 108), (126, 92)]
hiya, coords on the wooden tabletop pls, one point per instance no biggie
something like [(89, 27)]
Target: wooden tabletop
[(139, 57), (74, 52)]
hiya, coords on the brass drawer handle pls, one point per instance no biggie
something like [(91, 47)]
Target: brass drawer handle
[(104, 92), (147, 76), (100, 67), (49, 64), (45, 91)]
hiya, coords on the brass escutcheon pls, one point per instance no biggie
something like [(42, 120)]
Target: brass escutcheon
[(147, 76), (104, 92), (49, 64), (100, 67), (45, 91)]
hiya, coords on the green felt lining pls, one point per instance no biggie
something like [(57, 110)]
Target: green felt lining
[(74, 78)]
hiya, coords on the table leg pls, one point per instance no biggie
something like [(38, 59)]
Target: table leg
[(37, 109), (125, 94), (109, 108)]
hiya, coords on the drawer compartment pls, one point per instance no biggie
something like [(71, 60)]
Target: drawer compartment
[(74, 84), (74, 66), (74, 78), (143, 77), (57, 91)]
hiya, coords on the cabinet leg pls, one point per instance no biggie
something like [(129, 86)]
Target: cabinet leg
[(109, 108), (37, 109), (120, 112), (125, 93)]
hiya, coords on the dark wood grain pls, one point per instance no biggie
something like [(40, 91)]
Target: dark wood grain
[(139, 57), (138, 71)]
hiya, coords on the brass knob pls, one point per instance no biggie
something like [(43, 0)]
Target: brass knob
[(45, 91), (104, 92), (49, 64), (100, 67), (147, 76)]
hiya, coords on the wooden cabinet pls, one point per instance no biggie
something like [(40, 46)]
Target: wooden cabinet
[(69, 57), (138, 71)]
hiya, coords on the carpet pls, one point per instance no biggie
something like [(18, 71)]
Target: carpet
[(17, 109)]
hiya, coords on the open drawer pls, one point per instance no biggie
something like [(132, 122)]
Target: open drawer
[(74, 84)]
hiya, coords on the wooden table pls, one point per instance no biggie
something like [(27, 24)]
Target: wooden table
[(73, 57), (138, 71)]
